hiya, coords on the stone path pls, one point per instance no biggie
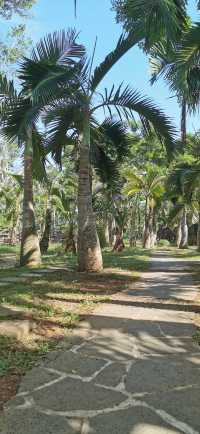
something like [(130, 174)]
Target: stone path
[(131, 368)]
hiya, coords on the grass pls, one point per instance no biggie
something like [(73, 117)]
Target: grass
[(15, 356), (55, 297)]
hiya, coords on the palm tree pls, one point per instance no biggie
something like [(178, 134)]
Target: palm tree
[(76, 99), (180, 193), (15, 112), (187, 193), (11, 193), (150, 184), (20, 113)]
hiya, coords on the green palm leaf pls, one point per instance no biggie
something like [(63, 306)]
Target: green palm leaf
[(124, 44), (127, 101)]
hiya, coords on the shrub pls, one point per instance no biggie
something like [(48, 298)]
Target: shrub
[(163, 243)]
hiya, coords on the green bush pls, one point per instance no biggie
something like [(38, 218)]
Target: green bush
[(163, 243)]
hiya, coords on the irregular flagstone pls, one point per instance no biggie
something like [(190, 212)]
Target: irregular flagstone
[(32, 422), (182, 404), (136, 420), (160, 375), (71, 363), (75, 395), (112, 375), (35, 378)]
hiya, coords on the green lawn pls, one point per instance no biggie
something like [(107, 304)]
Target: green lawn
[(55, 297)]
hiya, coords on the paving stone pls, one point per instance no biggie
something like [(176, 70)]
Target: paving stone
[(136, 420), (182, 404), (71, 394), (112, 375), (152, 375), (73, 363), (107, 347), (36, 378), (32, 422)]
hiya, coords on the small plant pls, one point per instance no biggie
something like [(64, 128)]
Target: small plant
[(163, 243), (196, 337)]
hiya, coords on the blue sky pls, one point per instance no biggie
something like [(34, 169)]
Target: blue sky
[(95, 19)]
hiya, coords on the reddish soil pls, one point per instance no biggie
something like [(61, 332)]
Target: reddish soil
[(8, 387)]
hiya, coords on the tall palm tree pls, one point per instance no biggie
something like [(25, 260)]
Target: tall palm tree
[(15, 110), (20, 112), (76, 99)]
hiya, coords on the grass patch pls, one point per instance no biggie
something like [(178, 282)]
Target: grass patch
[(16, 357), (4, 248), (196, 337)]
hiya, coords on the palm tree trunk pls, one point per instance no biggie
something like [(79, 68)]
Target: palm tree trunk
[(30, 248), (178, 235), (119, 242), (198, 234), (111, 225), (184, 231), (133, 235), (148, 226), (183, 122), (70, 244), (106, 229), (89, 251), (44, 242)]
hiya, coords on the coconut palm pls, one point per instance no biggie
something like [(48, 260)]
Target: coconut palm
[(76, 99)]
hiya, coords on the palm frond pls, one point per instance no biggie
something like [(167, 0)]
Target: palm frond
[(59, 48), (7, 89), (17, 116), (124, 44), (126, 102), (157, 18), (59, 118)]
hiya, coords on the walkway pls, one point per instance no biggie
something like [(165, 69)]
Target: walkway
[(131, 368)]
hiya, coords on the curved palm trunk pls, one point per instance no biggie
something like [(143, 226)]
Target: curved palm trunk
[(30, 248), (44, 242), (89, 250), (184, 231)]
